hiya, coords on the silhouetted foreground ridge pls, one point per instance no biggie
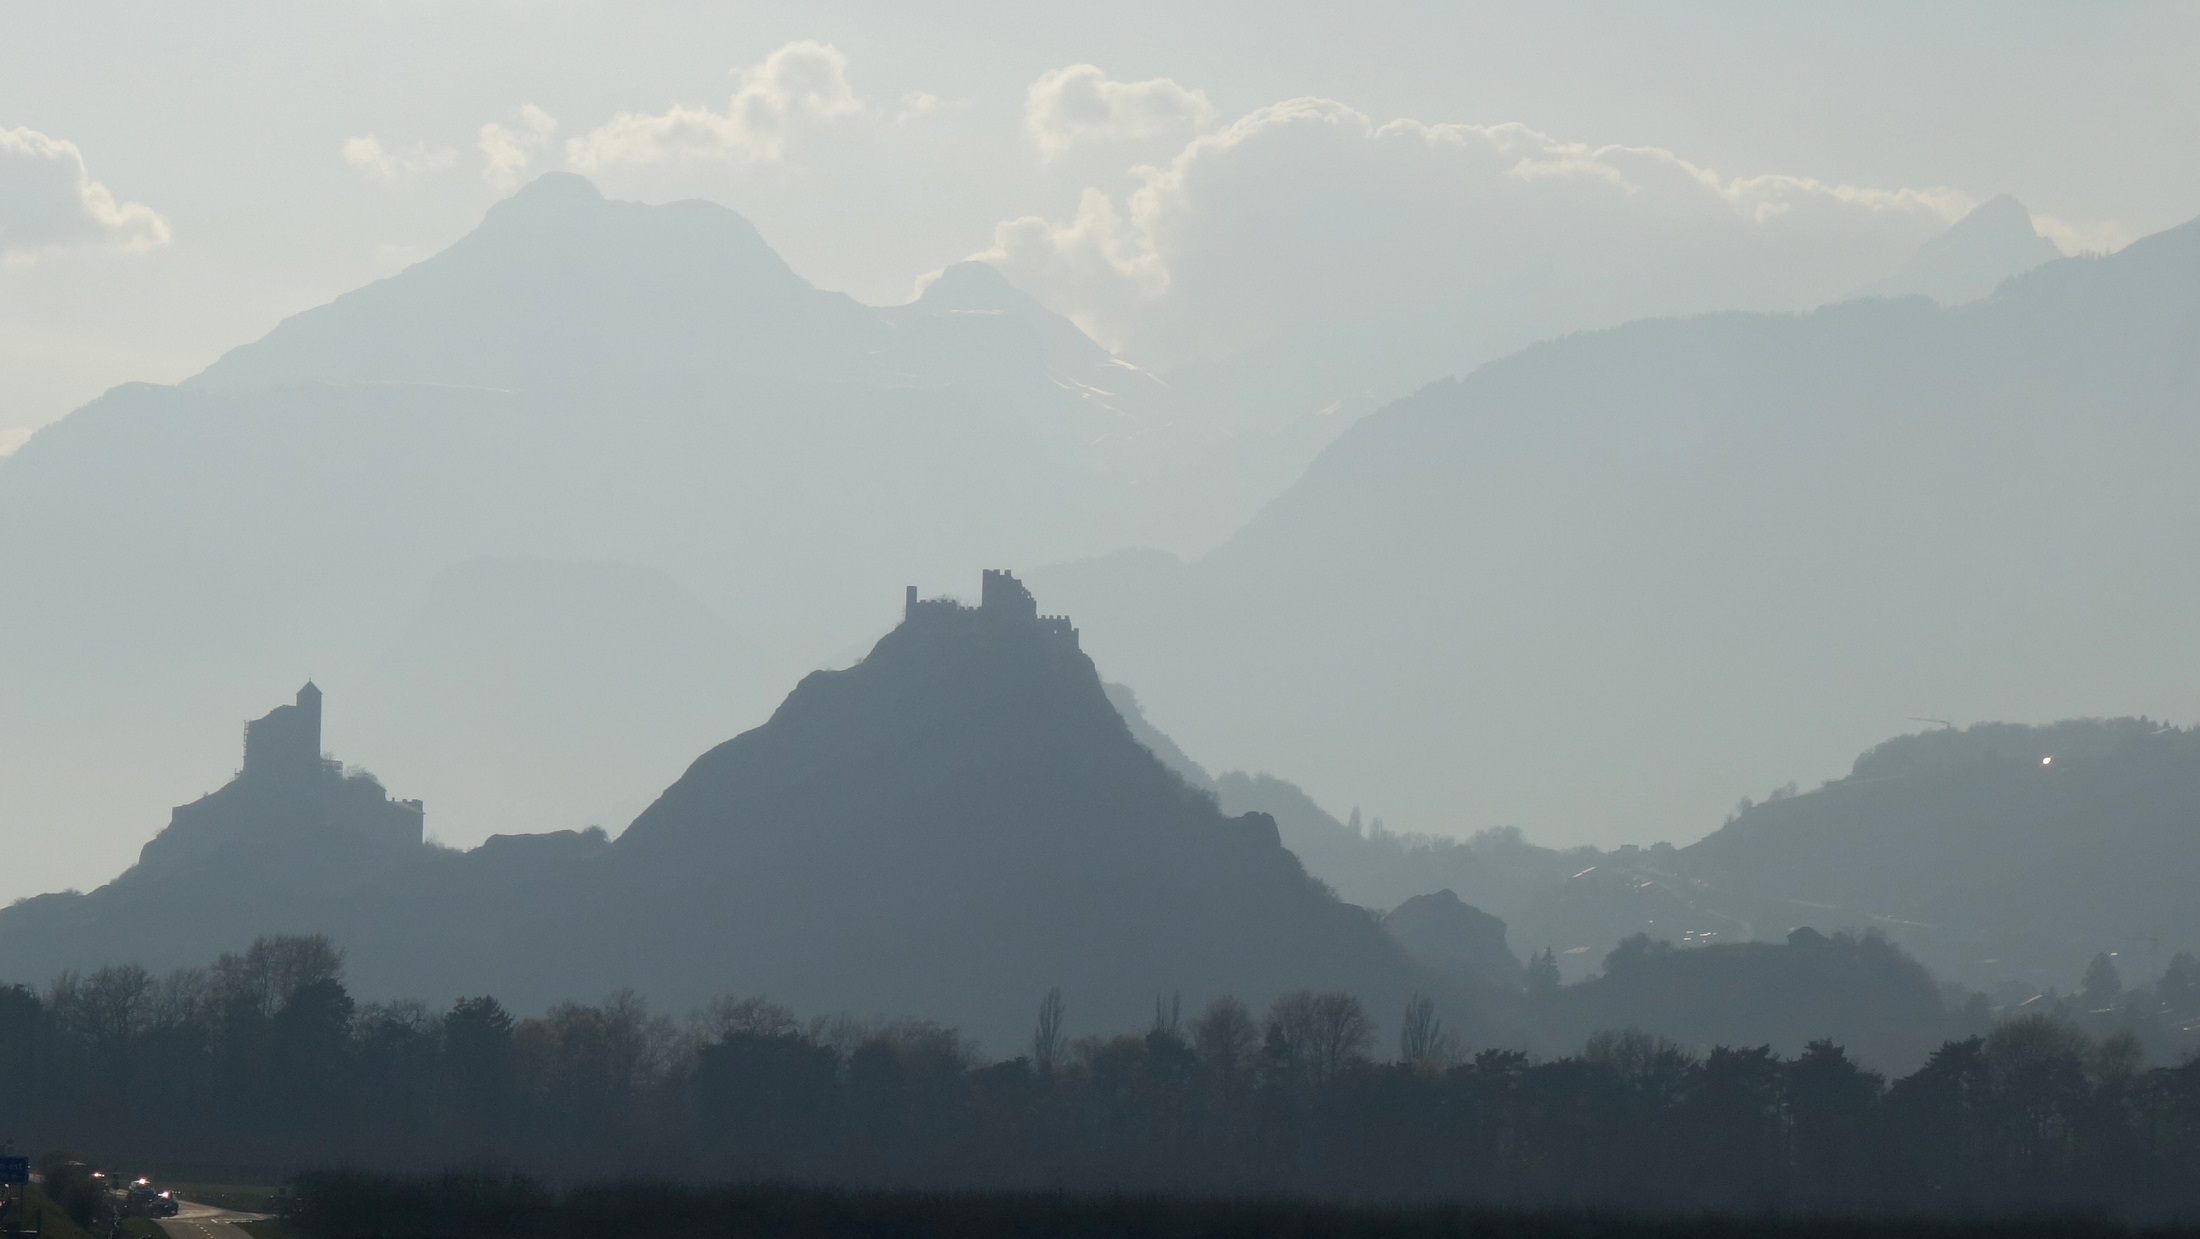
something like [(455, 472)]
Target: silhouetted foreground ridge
[(946, 830), (957, 824)]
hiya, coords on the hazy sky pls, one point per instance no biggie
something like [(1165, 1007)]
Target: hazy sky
[(175, 178)]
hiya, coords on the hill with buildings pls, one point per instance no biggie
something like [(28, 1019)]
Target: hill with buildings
[(967, 818), (948, 829)]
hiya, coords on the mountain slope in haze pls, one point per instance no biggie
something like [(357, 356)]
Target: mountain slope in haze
[(1604, 588), (1995, 851), (948, 829), (591, 388), (1577, 903), (1995, 241), (562, 289), (2003, 857)]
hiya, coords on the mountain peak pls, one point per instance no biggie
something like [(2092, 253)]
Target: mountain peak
[(558, 199), (973, 286), (556, 187), (2000, 215), (1973, 255), (557, 286)]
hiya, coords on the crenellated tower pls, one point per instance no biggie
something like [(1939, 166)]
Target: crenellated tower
[(1002, 599)]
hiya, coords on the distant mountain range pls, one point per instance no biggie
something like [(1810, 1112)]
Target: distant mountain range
[(2005, 857), (581, 493), (1610, 585), (601, 478)]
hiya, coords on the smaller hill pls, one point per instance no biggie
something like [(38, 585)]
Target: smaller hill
[(289, 837), (1859, 991), (1455, 938), (1998, 850)]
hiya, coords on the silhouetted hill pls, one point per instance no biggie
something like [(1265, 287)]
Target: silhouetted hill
[(947, 829), (288, 842), (1455, 938), (2004, 857), (1860, 992), (1994, 851), (963, 820), (1607, 586)]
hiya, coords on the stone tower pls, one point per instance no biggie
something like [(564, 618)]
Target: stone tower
[(286, 742)]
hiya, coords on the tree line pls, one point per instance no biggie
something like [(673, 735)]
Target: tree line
[(263, 1063)]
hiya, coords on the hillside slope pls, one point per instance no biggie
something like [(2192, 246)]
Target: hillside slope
[(1604, 588)]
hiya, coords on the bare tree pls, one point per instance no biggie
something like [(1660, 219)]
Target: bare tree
[(1342, 1033), (271, 970), (1317, 1035), (1226, 1039), (1421, 1039), (1046, 1037), (757, 1016), (1168, 1014)]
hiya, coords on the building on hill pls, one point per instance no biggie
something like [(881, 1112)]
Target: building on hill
[(286, 741), (289, 800), (1001, 597), (951, 828)]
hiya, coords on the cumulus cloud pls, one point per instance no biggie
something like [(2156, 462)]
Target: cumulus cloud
[(1066, 107), (800, 86), (1307, 214), (390, 165), (49, 204), (918, 104), (506, 150)]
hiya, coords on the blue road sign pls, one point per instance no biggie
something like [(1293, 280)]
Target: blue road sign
[(15, 1169)]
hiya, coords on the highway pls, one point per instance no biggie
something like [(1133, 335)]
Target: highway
[(197, 1221)]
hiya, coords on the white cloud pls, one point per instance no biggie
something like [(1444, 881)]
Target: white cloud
[(13, 437), (1308, 213), (389, 165), (1096, 269), (506, 150), (49, 204), (918, 104), (800, 86), (1079, 104)]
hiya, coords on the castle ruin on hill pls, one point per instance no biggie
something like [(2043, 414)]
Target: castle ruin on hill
[(1000, 597), (290, 798)]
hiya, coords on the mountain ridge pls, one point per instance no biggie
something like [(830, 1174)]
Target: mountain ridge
[(1653, 543)]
